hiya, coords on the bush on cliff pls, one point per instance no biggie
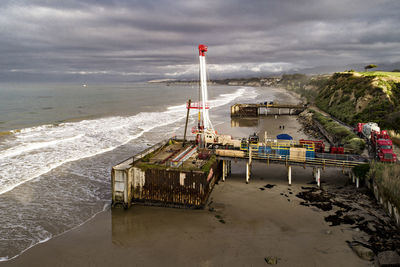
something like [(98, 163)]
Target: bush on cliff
[(355, 144), (361, 171), (351, 142)]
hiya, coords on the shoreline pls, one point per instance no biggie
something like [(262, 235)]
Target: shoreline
[(257, 224)]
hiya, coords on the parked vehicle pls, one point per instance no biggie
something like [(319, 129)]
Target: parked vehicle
[(367, 129), (382, 146), (379, 141)]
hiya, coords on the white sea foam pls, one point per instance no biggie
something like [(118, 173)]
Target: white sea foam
[(37, 150)]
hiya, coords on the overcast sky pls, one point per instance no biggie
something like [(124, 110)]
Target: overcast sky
[(50, 40)]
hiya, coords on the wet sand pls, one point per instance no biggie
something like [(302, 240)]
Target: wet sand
[(241, 226), (258, 224)]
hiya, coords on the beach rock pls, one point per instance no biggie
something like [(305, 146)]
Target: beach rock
[(363, 252), (387, 258), (328, 232), (271, 260), (371, 227)]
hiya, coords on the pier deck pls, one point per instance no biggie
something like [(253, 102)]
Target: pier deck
[(254, 110), (317, 163)]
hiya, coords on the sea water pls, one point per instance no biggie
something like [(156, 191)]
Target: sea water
[(59, 142)]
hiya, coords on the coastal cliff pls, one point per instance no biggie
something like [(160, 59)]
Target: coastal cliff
[(352, 96), (349, 96), (358, 97)]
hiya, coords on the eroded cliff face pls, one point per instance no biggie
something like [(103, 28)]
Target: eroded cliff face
[(355, 97)]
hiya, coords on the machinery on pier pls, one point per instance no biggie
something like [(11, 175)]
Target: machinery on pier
[(284, 146), (205, 134), (204, 126)]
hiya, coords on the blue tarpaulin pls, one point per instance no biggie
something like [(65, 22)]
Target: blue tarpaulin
[(284, 137)]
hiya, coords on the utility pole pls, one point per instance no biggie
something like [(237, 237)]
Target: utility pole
[(187, 119)]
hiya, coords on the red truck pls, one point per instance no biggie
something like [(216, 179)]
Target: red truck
[(383, 146)]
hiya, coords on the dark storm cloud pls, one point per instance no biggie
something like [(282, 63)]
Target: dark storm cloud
[(139, 40)]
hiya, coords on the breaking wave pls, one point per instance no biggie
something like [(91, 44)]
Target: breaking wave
[(34, 151)]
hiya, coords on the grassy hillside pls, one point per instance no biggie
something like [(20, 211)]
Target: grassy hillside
[(306, 86), (352, 96), (387, 177), (352, 143), (363, 96)]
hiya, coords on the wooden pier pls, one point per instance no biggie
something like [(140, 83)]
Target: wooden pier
[(172, 174), (344, 162), (255, 110)]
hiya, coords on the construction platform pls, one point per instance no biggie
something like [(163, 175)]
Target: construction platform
[(176, 175), (167, 174), (255, 110)]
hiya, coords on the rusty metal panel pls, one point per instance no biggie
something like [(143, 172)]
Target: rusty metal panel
[(176, 188)]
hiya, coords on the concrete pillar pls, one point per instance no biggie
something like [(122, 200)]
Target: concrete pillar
[(353, 178), (248, 166), (223, 170), (357, 182), (314, 173), (319, 177), (250, 154), (279, 111), (289, 173)]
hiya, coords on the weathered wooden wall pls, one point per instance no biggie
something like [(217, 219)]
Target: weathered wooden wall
[(164, 187), (175, 188)]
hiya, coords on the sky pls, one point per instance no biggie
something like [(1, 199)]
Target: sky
[(138, 40)]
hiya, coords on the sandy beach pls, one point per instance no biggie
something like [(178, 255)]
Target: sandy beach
[(241, 226)]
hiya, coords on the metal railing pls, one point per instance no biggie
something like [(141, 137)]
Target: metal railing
[(305, 160)]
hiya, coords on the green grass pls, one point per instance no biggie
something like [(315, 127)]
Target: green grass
[(387, 178), (343, 97), (351, 142), (380, 73), (144, 166), (207, 166)]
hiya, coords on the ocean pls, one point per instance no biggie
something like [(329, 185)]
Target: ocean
[(58, 143)]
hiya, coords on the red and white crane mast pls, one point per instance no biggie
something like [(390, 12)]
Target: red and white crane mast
[(204, 93)]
